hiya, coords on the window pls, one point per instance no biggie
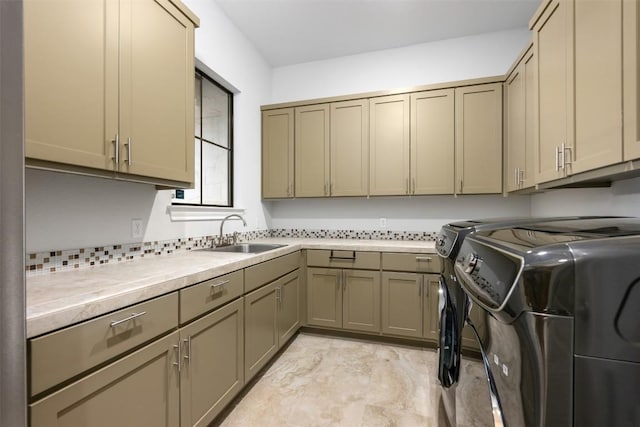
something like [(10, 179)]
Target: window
[(213, 146)]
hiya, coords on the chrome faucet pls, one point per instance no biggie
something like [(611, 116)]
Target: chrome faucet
[(221, 240)]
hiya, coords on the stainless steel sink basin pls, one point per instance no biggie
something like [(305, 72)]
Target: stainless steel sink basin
[(247, 248)]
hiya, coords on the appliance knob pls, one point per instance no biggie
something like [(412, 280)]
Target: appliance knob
[(440, 241), (470, 262)]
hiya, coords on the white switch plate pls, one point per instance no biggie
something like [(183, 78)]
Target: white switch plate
[(383, 222), (137, 229)]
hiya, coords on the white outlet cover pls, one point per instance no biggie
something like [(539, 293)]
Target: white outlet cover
[(137, 228)]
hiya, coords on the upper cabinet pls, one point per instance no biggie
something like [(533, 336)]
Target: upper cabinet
[(631, 78), (432, 141), (520, 123), (116, 100), (598, 84), (277, 153), (579, 50), (350, 148), (389, 145), (312, 173), (478, 164)]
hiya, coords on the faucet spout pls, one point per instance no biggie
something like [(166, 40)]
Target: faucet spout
[(220, 239)]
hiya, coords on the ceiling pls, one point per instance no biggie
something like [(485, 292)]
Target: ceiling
[(293, 31)]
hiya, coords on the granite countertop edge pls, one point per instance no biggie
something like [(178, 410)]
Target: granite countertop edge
[(58, 300)]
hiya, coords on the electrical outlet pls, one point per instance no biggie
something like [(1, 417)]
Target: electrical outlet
[(383, 222), (137, 229)]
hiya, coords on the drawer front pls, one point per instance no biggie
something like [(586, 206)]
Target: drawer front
[(343, 259), (263, 273), (418, 263), (205, 296), (61, 355)]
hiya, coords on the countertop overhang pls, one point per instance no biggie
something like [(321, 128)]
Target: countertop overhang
[(61, 299)]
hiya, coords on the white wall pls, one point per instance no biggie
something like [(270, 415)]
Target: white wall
[(422, 213), (622, 198), (66, 211), (442, 61)]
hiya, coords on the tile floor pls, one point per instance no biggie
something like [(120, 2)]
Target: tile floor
[(329, 381)]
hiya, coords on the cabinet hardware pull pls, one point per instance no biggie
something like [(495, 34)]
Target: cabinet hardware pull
[(424, 258), (420, 287), (557, 158), (521, 178), (128, 144), (341, 258), (515, 181), (414, 186), (188, 342), (126, 319), (344, 281), (278, 296), (564, 154), (179, 358), (461, 186), (116, 148), (426, 288), (215, 287)]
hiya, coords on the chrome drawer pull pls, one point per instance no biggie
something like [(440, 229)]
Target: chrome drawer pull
[(424, 258), (214, 288), (126, 319), (341, 258)]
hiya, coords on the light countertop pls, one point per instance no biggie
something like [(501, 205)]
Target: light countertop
[(61, 299)]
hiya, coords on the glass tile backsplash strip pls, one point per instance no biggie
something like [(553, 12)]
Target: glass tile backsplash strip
[(64, 260)]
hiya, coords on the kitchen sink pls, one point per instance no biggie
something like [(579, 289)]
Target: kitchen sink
[(246, 248)]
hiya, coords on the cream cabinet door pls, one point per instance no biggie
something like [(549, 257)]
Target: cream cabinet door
[(631, 75), (598, 84), (515, 128), (261, 329), (71, 81), (324, 297), (530, 119), (479, 139), (432, 142), (141, 389), (156, 90), (350, 148), (288, 306), (312, 151), (277, 153), (553, 47), (389, 145), (361, 300), (402, 304), (212, 371)]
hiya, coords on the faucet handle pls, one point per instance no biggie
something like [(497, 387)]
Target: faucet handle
[(235, 237)]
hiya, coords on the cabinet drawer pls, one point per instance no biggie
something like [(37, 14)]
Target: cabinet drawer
[(61, 355), (420, 263), (205, 296), (343, 259), (263, 273)]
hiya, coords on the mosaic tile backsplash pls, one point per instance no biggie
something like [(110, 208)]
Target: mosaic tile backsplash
[(53, 261)]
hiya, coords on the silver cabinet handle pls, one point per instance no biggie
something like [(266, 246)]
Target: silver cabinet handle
[(179, 358), (188, 343), (278, 300), (128, 144), (126, 319), (420, 283), (515, 181), (461, 186), (557, 158), (521, 178), (564, 154), (116, 150), (215, 287), (424, 258)]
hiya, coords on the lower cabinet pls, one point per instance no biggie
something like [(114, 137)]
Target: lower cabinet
[(212, 364), (141, 389), (347, 299), (272, 316), (410, 305)]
